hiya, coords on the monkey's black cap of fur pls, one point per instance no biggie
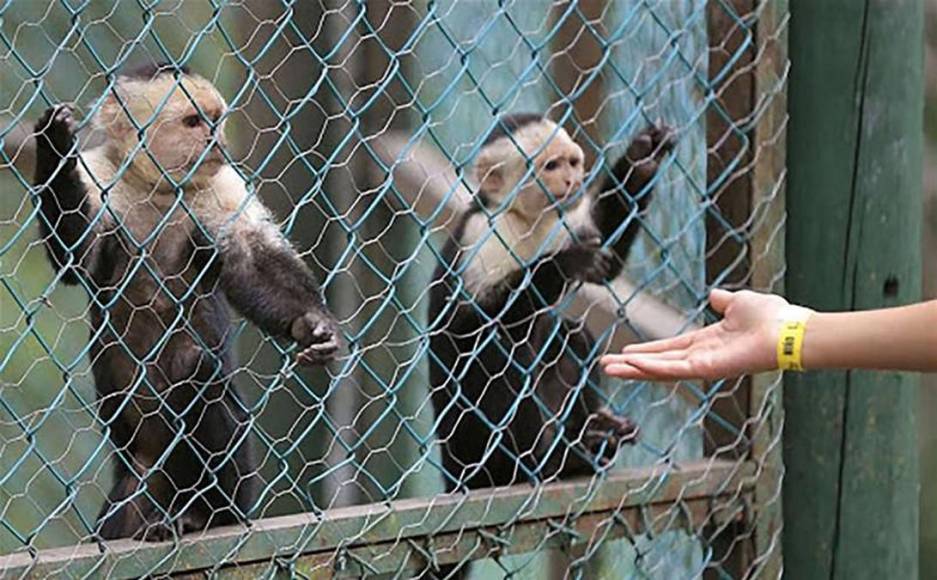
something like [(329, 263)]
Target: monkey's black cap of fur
[(510, 124), (150, 70)]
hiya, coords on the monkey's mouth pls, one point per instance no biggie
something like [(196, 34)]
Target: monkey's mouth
[(569, 198), (212, 160)]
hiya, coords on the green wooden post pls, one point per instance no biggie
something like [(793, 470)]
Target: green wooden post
[(853, 239)]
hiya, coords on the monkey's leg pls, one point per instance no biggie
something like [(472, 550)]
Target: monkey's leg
[(63, 196), (130, 512), (138, 502), (221, 454), (606, 431)]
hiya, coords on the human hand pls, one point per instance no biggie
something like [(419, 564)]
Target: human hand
[(743, 342)]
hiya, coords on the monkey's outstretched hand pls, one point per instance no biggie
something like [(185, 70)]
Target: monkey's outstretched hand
[(317, 336), (648, 149)]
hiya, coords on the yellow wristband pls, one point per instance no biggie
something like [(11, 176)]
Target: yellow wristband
[(791, 339)]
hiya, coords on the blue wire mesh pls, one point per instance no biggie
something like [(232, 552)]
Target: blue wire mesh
[(312, 89)]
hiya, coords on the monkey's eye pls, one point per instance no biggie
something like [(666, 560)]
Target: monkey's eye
[(551, 165), (192, 121), (573, 162)]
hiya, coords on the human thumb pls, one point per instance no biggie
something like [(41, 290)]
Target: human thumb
[(719, 299)]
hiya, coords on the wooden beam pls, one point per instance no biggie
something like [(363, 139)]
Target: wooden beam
[(853, 242), (729, 182), (768, 203)]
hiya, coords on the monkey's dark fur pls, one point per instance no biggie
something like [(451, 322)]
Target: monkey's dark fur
[(505, 365), (161, 351)]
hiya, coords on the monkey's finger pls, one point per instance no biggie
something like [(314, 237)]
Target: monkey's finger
[(631, 435), (322, 333), (318, 354), (664, 140), (323, 348), (627, 432)]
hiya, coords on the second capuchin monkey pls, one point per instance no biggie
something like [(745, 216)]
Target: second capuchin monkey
[(164, 235), (513, 382)]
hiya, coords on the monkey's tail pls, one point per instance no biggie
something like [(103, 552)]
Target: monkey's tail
[(424, 180)]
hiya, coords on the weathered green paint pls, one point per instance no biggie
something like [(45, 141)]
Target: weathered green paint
[(706, 486), (854, 203)]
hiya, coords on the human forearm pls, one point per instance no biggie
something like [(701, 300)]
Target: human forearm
[(901, 338), (746, 341)]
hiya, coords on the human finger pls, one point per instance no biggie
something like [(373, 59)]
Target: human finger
[(655, 368), (675, 343), (625, 371)]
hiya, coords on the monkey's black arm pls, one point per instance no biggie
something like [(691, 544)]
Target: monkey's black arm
[(615, 204), (266, 281), (63, 197), (626, 193)]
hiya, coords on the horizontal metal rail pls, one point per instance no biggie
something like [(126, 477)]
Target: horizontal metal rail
[(403, 534)]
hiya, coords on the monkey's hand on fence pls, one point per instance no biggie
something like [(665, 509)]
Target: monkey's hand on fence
[(587, 262), (317, 335), (55, 137), (646, 152)]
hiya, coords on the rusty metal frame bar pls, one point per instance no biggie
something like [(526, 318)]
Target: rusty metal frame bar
[(340, 539)]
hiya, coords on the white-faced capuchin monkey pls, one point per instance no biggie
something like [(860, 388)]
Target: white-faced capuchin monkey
[(510, 376), (164, 235)]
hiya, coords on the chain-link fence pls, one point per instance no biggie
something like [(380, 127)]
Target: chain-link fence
[(357, 124)]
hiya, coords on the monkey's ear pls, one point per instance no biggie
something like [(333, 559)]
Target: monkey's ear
[(490, 177), (112, 118)]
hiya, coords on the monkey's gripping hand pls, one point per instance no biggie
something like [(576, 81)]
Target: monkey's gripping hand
[(55, 139), (606, 432), (317, 336), (645, 154), (587, 261)]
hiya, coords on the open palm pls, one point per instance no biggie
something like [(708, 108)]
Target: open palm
[(742, 342)]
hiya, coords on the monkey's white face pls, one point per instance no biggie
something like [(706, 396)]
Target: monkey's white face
[(182, 142), (556, 175), (557, 171), (183, 128)]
